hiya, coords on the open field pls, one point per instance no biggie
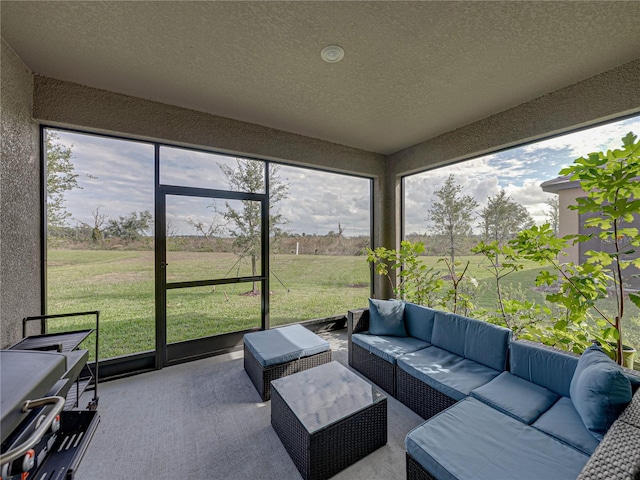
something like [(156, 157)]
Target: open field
[(121, 285)]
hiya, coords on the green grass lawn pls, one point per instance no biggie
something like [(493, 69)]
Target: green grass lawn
[(121, 285)]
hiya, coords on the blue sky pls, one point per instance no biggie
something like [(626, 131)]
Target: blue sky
[(519, 171), (121, 181)]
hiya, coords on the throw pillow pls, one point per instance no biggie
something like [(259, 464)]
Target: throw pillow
[(599, 390), (386, 317)]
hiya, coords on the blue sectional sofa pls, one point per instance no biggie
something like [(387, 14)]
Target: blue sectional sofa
[(543, 414), (435, 361)]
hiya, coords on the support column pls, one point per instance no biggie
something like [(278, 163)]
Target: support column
[(387, 222)]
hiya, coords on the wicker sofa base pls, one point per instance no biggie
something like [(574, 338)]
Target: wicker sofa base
[(376, 369), (420, 397), (262, 376), (324, 453), (415, 471)]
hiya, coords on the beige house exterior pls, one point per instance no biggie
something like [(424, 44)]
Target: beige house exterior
[(570, 222)]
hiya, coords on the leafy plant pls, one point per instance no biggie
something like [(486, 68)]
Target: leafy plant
[(529, 319), (414, 282), (420, 284), (492, 252), (458, 296), (611, 182)]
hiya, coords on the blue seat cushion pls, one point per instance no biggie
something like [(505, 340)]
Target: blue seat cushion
[(418, 321), (448, 373), (522, 400), (599, 390), (386, 317), (563, 422), (282, 345), (472, 440), (387, 347), (549, 368)]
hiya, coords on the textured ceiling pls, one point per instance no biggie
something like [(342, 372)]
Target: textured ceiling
[(412, 70)]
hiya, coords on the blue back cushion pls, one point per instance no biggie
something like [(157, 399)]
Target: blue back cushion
[(599, 391), (449, 332), (548, 368), (418, 321), (476, 340), (386, 317), (487, 344)]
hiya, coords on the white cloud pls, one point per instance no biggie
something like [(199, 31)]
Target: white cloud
[(520, 171)]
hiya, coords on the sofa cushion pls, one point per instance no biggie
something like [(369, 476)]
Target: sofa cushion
[(522, 400), (563, 422), (386, 317), (476, 340), (449, 332), (487, 344), (418, 321), (282, 345), (472, 440), (447, 372), (387, 347), (549, 368), (599, 390)]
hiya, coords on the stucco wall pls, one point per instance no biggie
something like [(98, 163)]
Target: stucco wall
[(63, 103), (19, 200)]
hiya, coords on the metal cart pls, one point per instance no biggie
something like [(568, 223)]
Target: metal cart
[(67, 342)]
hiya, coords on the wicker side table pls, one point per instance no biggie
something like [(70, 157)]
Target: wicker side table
[(327, 419)]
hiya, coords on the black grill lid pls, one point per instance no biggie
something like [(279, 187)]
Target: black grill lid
[(25, 375)]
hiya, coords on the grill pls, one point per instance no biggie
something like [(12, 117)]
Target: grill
[(43, 434)]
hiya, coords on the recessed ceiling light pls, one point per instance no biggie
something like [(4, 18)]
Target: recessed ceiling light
[(332, 53)]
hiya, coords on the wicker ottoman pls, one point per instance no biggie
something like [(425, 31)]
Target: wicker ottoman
[(327, 419), (272, 354)]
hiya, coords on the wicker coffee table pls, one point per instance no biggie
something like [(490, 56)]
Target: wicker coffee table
[(327, 418)]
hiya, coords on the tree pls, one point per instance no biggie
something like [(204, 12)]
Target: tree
[(60, 179), (246, 225), (503, 218), (451, 214), (208, 230), (97, 235), (553, 214), (130, 227)]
